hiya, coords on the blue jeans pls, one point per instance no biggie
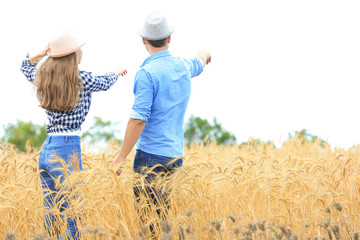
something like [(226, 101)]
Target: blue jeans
[(66, 148), (159, 165)]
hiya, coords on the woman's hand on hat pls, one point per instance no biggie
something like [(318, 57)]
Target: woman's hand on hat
[(46, 50), (120, 71), (36, 58)]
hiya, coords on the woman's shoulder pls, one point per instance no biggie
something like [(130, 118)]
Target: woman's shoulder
[(84, 74)]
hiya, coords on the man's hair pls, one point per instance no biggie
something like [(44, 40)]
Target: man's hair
[(157, 43), (58, 83)]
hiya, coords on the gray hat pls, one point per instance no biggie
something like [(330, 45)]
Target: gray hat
[(155, 27)]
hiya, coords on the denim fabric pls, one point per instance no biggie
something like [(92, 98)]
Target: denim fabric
[(51, 170), (162, 90), (160, 166), (145, 160)]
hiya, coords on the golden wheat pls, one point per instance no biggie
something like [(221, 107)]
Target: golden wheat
[(300, 190)]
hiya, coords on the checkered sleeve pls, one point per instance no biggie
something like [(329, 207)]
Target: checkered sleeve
[(29, 69), (98, 83)]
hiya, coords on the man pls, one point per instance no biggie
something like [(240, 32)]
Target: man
[(162, 90)]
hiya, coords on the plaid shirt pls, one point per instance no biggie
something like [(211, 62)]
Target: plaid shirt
[(70, 121)]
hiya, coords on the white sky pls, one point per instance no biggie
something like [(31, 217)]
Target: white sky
[(277, 66)]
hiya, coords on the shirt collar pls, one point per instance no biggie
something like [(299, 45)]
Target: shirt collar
[(164, 53)]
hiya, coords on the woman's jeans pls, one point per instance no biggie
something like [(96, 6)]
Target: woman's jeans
[(57, 149), (152, 166)]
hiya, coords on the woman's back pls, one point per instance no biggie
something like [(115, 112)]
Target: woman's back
[(66, 113)]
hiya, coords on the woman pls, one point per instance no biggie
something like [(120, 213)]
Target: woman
[(64, 92)]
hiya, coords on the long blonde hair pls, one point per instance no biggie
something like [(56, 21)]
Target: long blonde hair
[(58, 83)]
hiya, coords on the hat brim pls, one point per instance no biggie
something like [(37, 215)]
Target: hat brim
[(65, 52), (155, 38)]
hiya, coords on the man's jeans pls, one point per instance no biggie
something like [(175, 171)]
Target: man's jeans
[(59, 149), (153, 166)]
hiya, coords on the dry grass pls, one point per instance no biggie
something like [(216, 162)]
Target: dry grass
[(298, 191)]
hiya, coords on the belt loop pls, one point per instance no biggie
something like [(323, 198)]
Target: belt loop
[(66, 139), (49, 139)]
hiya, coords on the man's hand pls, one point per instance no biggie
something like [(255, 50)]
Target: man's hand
[(132, 134), (119, 160), (205, 57)]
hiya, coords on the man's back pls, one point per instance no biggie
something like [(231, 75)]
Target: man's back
[(162, 91)]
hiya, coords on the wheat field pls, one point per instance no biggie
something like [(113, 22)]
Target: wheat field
[(297, 191)]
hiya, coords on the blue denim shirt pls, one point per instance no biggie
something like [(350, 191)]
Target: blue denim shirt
[(162, 91)]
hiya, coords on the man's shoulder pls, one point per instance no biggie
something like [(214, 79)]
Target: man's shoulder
[(165, 62)]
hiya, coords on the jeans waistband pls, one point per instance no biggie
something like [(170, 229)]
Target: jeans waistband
[(64, 138)]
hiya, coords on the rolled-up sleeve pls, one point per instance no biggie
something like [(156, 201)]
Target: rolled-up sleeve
[(98, 83), (29, 69), (144, 95)]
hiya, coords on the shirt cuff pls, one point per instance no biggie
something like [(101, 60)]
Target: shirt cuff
[(136, 115), (28, 61), (112, 74), (202, 63)]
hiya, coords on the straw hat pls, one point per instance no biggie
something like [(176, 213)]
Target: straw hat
[(64, 44), (155, 27)]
